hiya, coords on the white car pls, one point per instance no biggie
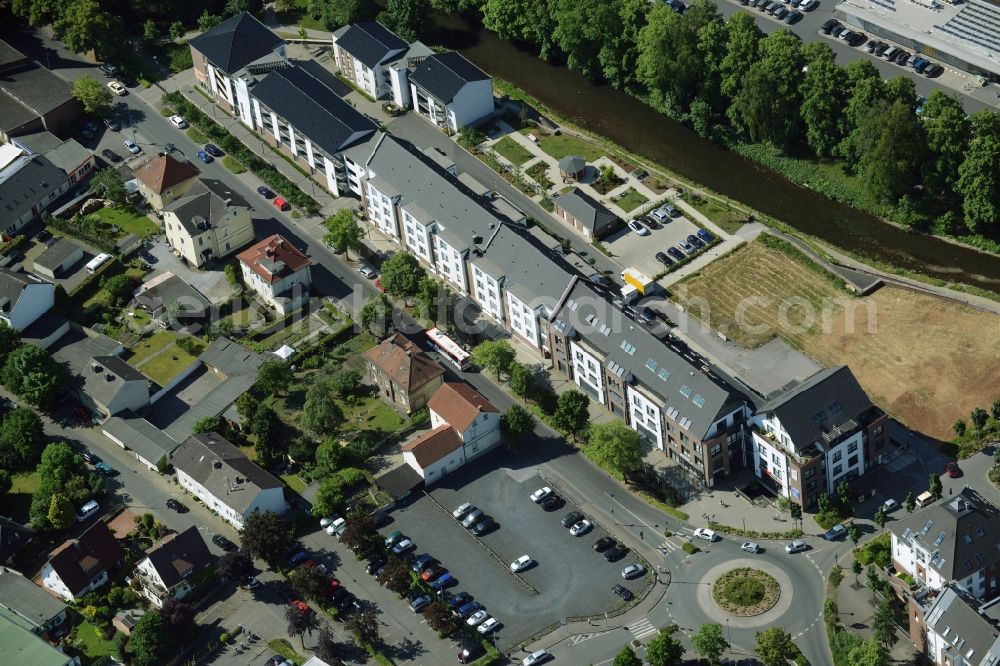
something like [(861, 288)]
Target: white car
[(460, 512), (796, 546), (535, 658), (367, 271), (117, 88), (660, 215), (178, 122), (540, 494), (705, 534), (750, 547), (889, 505), (580, 528), (637, 227), (633, 571), (325, 522), (477, 618), (521, 563), (336, 527), (489, 625), (131, 147)]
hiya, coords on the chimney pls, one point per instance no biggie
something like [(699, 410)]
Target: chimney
[(109, 377), (217, 464), (98, 369)]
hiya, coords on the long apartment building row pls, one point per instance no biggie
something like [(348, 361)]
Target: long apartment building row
[(801, 442)]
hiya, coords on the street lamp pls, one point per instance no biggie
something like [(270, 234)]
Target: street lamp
[(728, 642)]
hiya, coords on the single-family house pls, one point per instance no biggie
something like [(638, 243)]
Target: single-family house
[(101, 380), (278, 272), (24, 298), (405, 376), (162, 180), (450, 91), (207, 222), (435, 453), (229, 483), (83, 564), (168, 570), (58, 258), (588, 217), (28, 605), (165, 295), (470, 414), (363, 52)]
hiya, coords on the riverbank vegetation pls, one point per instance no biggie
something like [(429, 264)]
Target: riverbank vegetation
[(780, 102)]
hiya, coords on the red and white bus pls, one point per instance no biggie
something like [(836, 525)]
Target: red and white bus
[(449, 349)]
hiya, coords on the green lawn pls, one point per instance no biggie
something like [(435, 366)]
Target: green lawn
[(563, 145), (512, 150), (129, 221), (299, 15), (372, 414), (285, 649), (164, 367), (294, 482), (631, 200), (149, 346), (26, 482), (730, 220), (90, 641), (101, 297)]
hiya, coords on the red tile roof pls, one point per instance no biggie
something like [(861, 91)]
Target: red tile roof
[(161, 173), (79, 561), (430, 447), (459, 404), (404, 362), (274, 259)]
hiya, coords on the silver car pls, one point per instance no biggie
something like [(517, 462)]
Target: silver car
[(796, 546), (367, 271)]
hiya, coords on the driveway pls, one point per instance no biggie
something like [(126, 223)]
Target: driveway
[(211, 283), (631, 249), (569, 579)]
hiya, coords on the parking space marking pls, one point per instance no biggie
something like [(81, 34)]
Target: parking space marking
[(579, 638), (642, 628)]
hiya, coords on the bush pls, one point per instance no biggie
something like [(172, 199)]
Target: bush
[(744, 591), (876, 551), (232, 164), (836, 576), (753, 534), (690, 548), (224, 638)]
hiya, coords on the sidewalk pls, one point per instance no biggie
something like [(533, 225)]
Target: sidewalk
[(856, 608)]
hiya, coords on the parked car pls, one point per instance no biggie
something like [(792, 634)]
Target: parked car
[(420, 602), (213, 150), (477, 618), (484, 526), (623, 592), (468, 609), (663, 259), (178, 122), (809, 5), (131, 147), (470, 653), (932, 70), (633, 571), (404, 546), (112, 124), (552, 502), (375, 564), (105, 469), (659, 215), (367, 271), (750, 547), (109, 69), (688, 248), (432, 572), (829, 25), (223, 543), (111, 156), (705, 235), (637, 227), (675, 253), (571, 519), (540, 494), (251, 582), (705, 534), (463, 509), (489, 625), (856, 39), (298, 558), (421, 562), (459, 600), (117, 88), (780, 12), (176, 506), (392, 538), (535, 658), (445, 581), (581, 528), (280, 203), (796, 546), (889, 505), (920, 65), (521, 563), (834, 533), (952, 470), (793, 17), (472, 518), (89, 457), (695, 241), (203, 156), (615, 553), (265, 192), (838, 31), (604, 543), (880, 48)]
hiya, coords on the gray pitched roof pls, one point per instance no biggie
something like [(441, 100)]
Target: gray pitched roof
[(207, 200), (9, 54), (68, 155), (315, 110), (590, 212), (141, 436), (813, 410), (236, 42), (12, 287), (159, 292), (25, 182), (971, 637), (33, 606), (460, 217), (223, 470), (696, 391), (443, 75), (34, 87), (572, 164), (962, 530), (54, 256), (370, 42), (180, 556), (534, 274)]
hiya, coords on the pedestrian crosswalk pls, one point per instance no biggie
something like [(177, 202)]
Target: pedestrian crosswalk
[(642, 628), (676, 540)]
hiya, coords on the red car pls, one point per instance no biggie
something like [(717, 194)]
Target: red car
[(952, 469), (280, 203), (301, 606)]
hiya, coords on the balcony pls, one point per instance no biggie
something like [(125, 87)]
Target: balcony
[(800, 457)]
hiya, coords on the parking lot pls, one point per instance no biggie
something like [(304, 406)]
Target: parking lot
[(639, 251), (569, 579)]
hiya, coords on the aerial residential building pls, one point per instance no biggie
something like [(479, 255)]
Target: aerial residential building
[(150, 445), (162, 180), (405, 376), (674, 400), (278, 272), (165, 296), (471, 415), (307, 120), (952, 628), (29, 184), (169, 568), (229, 483), (229, 56), (821, 431), (23, 298), (587, 216), (32, 98), (953, 541), (207, 222), (58, 258), (103, 382), (363, 53), (28, 605), (450, 91), (29, 648), (83, 564)]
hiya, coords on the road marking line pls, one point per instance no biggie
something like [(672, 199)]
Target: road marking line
[(642, 628)]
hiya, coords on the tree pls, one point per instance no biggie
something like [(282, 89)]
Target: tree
[(246, 405), (364, 626), (361, 536), (401, 275), (330, 457), (321, 415), (583, 30), (274, 377), (872, 578), (857, 568), (979, 417), (396, 575), (775, 646), (627, 658), (521, 380), (909, 503), (742, 49), (309, 582), (61, 471), (428, 292), (796, 511), (118, 289), (207, 424), (300, 623), (881, 518), (34, 375), (10, 340), (854, 533), (959, 427), (262, 426), (709, 643), (883, 626), (518, 421), (441, 619), (345, 383), (844, 496), (176, 30), (235, 567), (495, 355), (665, 650), (868, 653), (868, 89), (208, 21), (934, 485), (619, 54), (768, 105), (948, 131), (327, 647), (267, 536), (61, 516), (93, 95), (21, 438), (152, 640), (410, 19), (572, 412), (335, 13), (891, 146), (343, 232), (376, 314), (822, 99), (6, 482), (979, 175), (615, 446), (234, 7), (83, 26), (108, 184), (37, 12), (179, 614), (329, 498)]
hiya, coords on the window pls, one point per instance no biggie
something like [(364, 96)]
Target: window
[(838, 470), (877, 431), (837, 456), (809, 473), (716, 449), (852, 447)]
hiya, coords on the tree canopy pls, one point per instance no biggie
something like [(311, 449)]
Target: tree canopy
[(321, 415), (775, 646), (93, 95), (401, 275), (267, 536), (665, 650), (615, 446), (495, 355), (152, 640), (32, 374), (710, 643), (518, 421), (572, 412), (343, 232), (21, 439)]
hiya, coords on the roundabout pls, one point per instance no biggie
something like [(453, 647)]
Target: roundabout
[(746, 591), (753, 615)]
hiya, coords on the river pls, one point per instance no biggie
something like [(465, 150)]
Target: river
[(640, 129)]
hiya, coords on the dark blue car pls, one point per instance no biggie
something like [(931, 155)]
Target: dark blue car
[(265, 192), (203, 156), (468, 609), (298, 558), (706, 235), (459, 600)]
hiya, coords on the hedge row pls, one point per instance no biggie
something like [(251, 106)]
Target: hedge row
[(221, 136), (753, 534), (74, 227)]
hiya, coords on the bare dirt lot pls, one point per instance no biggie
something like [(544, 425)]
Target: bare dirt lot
[(926, 360)]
